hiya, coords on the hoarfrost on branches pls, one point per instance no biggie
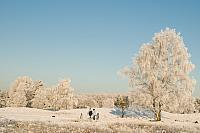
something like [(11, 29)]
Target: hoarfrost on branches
[(160, 73), (19, 93), (55, 98), (3, 97), (25, 92)]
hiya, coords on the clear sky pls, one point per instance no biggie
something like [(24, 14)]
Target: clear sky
[(87, 41)]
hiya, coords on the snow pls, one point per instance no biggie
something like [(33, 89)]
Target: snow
[(136, 119), (106, 115), (135, 112), (61, 117)]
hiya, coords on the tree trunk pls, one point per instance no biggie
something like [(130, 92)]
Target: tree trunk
[(157, 112), (158, 115), (154, 109), (122, 112)]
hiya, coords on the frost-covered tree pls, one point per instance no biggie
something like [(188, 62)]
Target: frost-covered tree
[(161, 74), (197, 104), (27, 93), (55, 98), (22, 92), (42, 98), (31, 92), (17, 92), (63, 95), (3, 97)]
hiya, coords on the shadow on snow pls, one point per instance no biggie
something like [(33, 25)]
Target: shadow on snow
[(134, 111)]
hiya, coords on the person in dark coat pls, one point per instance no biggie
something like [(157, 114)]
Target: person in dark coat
[(94, 114), (97, 116), (90, 113)]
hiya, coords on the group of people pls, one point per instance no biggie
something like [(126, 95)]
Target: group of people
[(93, 114)]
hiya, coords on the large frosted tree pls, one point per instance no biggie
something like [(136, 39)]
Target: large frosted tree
[(161, 74)]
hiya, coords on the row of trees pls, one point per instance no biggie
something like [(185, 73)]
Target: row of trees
[(94, 100), (25, 92)]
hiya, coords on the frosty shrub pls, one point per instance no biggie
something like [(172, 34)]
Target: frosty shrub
[(160, 75)]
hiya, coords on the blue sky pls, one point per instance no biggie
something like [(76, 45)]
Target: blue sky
[(87, 41)]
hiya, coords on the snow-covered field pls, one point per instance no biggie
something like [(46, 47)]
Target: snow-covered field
[(109, 121), (57, 117)]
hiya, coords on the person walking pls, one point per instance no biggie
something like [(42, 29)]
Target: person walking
[(81, 116), (90, 113), (94, 114), (97, 117)]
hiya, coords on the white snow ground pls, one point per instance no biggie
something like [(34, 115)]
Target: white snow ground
[(107, 115), (58, 117)]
